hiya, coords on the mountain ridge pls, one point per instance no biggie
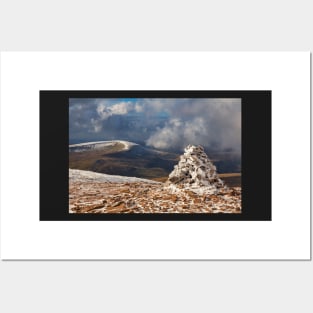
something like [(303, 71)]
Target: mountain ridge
[(124, 158)]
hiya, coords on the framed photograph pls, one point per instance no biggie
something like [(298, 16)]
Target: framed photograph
[(155, 156)]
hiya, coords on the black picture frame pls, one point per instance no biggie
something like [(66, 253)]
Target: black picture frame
[(256, 155)]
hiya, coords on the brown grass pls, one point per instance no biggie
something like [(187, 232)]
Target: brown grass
[(160, 179), (229, 175)]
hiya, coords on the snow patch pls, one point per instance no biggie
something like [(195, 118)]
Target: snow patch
[(98, 145), (88, 176)]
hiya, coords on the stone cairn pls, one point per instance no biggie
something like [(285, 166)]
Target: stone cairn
[(195, 170)]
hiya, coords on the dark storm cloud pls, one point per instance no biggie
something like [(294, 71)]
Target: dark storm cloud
[(107, 119), (213, 123), (160, 123)]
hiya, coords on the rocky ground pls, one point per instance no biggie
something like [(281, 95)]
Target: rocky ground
[(142, 197), (192, 187)]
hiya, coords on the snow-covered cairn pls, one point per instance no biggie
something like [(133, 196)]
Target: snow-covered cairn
[(195, 171)]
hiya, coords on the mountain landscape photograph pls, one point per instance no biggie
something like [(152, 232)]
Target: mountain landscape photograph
[(154, 155)]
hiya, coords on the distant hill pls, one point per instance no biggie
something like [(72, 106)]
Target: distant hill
[(121, 158), (117, 157)]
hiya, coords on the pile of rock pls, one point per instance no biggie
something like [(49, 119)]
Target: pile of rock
[(195, 171)]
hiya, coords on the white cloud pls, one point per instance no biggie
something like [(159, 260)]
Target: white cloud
[(96, 125), (166, 137), (213, 123), (121, 108), (103, 111), (177, 134), (139, 107)]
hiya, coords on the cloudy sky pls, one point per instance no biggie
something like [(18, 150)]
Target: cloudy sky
[(168, 124)]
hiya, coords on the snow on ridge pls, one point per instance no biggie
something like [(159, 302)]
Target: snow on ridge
[(128, 144), (88, 176), (97, 145)]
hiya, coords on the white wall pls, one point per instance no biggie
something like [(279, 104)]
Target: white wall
[(149, 286)]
